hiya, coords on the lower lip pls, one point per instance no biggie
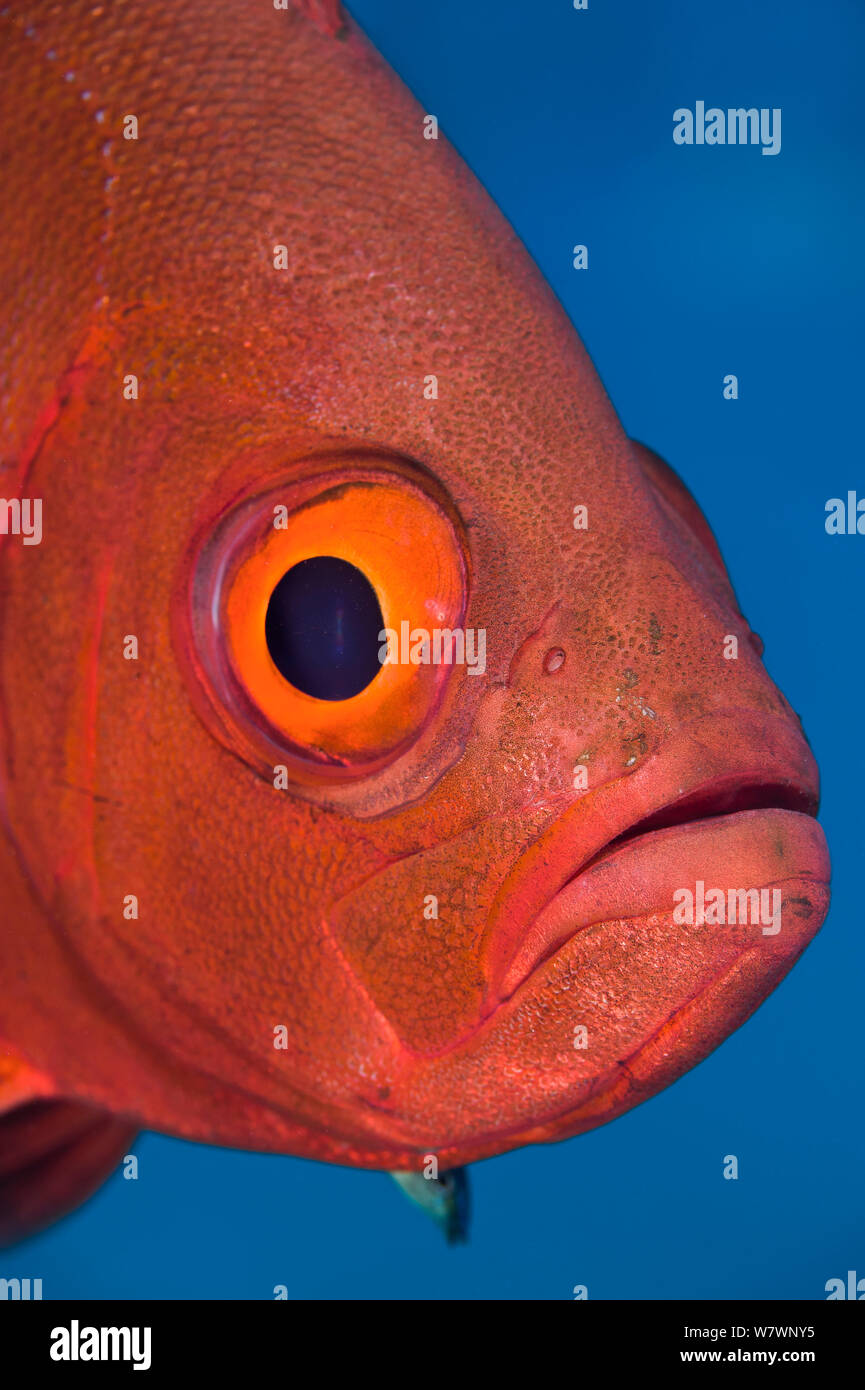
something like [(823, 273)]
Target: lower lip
[(763, 849)]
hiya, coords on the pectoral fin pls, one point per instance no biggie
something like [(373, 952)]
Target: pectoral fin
[(53, 1153), (444, 1198)]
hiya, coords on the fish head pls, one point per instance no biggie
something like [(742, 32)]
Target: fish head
[(371, 699)]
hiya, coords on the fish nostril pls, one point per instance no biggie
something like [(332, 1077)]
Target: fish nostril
[(554, 660)]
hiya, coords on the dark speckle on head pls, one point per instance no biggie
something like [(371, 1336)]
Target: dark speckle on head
[(802, 907)]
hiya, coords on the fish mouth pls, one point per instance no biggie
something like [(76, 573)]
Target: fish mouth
[(599, 994), (739, 829), (710, 802)]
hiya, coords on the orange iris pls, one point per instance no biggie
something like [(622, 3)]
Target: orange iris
[(405, 544)]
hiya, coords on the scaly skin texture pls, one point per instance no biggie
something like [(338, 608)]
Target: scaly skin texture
[(303, 908)]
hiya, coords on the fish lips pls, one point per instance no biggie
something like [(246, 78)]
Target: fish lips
[(746, 874), (729, 804), (598, 995), (606, 998)]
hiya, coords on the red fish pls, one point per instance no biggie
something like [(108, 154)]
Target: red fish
[(374, 711)]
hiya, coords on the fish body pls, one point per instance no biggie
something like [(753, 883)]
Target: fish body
[(256, 319)]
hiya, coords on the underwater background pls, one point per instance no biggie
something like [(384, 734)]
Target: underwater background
[(703, 261)]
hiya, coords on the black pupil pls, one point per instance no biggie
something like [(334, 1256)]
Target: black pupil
[(322, 628)]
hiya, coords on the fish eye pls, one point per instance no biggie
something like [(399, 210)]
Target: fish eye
[(297, 599), (323, 628)]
